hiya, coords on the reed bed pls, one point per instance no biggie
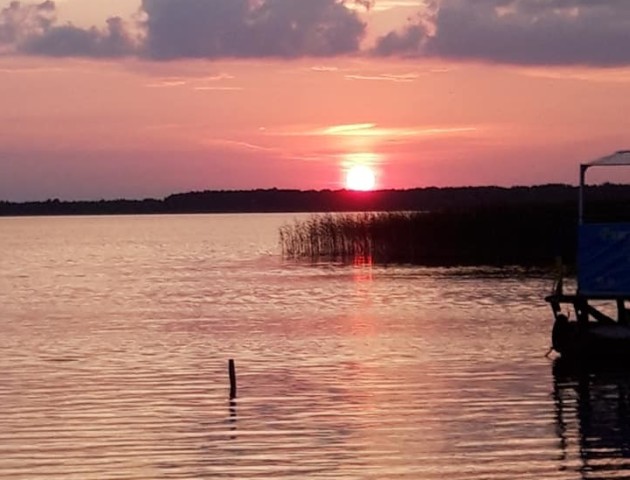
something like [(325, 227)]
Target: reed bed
[(516, 236)]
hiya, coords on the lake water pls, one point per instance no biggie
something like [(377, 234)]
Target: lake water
[(115, 333)]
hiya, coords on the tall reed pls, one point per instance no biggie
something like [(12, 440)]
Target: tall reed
[(512, 236)]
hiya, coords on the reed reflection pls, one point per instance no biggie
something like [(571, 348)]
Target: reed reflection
[(593, 419)]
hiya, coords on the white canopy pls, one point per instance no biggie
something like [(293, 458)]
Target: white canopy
[(622, 157)]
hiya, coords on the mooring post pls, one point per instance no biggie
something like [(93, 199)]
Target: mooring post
[(232, 369)]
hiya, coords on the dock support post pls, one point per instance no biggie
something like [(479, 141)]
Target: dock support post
[(583, 169), (622, 316), (581, 310), (232, 370)]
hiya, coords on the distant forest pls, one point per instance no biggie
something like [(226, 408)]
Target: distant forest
[(275, 200)]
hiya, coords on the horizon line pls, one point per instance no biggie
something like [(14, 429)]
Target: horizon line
[(297, 190)]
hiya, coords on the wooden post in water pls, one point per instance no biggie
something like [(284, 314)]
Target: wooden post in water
[(232, 370)]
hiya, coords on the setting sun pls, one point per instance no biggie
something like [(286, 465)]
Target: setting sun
[(360, 177)]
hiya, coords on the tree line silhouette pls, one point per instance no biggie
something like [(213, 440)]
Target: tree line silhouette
[(276, 200)]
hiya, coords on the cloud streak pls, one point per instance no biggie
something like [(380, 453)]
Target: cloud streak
[(385, 77), (373, 130)]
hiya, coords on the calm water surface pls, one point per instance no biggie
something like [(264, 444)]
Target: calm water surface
[(116, 331)]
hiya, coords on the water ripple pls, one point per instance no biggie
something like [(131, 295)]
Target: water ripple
[(117, 331)]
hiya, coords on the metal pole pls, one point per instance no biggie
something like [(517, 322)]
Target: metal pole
[(583, 169)]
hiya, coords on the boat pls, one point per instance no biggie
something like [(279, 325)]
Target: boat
[(597, 323)]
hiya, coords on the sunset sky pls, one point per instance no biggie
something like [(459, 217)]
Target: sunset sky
[(129, 98)]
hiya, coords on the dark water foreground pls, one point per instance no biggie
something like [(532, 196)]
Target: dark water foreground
[(116, 334)]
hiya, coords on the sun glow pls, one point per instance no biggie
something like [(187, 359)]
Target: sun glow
[(360, 177)]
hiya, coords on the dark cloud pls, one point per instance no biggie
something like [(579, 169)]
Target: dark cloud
[(246, 28), (546, 32), (18, 21), (543, 32), (32, 29), (68, 40), (409, 41), (211, 29)]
